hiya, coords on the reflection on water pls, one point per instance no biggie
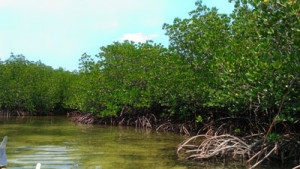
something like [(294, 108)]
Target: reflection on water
[(57, 143), (52, 156)]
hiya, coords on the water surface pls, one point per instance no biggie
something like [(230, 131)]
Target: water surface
[(57, 143)]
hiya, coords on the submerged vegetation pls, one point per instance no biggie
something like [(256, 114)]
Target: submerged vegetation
[(222, 74)]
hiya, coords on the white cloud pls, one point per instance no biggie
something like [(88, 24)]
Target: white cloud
[(137, 37)]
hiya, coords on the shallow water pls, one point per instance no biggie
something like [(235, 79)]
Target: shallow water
[(57, 143)]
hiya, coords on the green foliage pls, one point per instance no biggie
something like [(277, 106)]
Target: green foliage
[(31, 86), (243, 64), (273, 137), (199, 119), (237, 130), (284, 117), (119, 79), (248, 60)]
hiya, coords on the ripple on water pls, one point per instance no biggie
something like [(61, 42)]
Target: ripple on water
[(51, 156)]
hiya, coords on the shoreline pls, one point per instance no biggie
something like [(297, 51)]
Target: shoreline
[(205, 142), (208, 144)]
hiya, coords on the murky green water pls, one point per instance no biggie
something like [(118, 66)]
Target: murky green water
[(57, 143)]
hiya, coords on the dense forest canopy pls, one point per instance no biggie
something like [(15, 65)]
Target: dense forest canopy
[(32, 88), (242, 65)]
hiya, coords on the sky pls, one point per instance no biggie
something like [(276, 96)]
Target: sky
[(58, 32)]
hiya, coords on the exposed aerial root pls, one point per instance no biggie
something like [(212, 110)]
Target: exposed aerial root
[(207, 147), (145, 121), (214, 146), (83, 118), (165, 127)]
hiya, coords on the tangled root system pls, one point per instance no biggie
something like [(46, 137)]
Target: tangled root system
[(208, 147)]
